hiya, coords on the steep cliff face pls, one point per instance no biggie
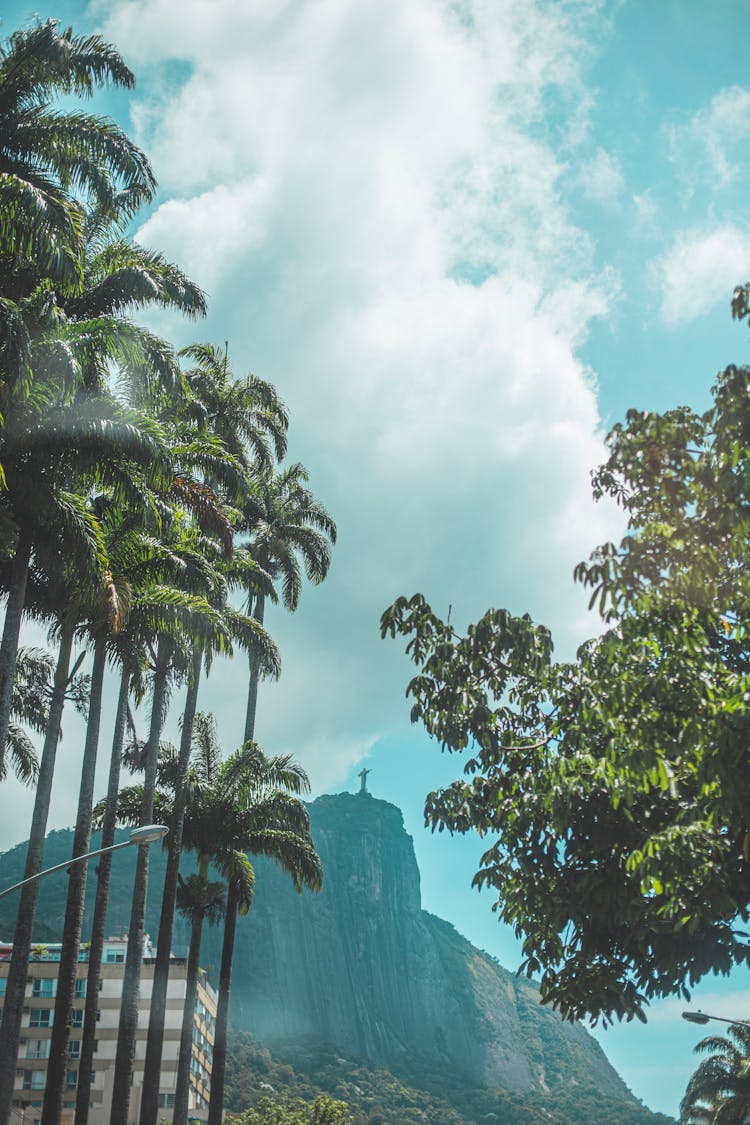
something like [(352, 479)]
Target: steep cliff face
[(360, 965), (363, 966)]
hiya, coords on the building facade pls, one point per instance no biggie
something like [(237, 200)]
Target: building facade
[(41, 986)]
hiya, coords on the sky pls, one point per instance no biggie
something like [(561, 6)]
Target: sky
[(462, 238)]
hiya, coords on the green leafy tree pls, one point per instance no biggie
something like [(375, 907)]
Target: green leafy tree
[(611, 789), (719, 1091), (323, 1111)]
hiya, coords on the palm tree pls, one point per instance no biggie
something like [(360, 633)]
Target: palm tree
[(47, 156), (96, 947), (237, 630), (202, 618), (719, 1091), (108, 614), (246, 414), (68, 547), (205, 632), (51, 346), (239, 414), (86, 442), (258, 804), (10, 1028), (29, 706), (198, 900), (290, 532)]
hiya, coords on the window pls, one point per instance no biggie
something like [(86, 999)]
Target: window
[(37, 1049), (71, 1079), (77, 1017), (166, 1101), (34, 1079), (74, 1049), (80, 988), (44, 986), (40, 1017), (3, 985), (114, 957)]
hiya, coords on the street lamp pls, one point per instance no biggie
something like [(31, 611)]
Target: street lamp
[(703, 1017), (139, 837)]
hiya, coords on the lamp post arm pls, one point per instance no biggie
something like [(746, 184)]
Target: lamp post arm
[(66, 864), (703, 1018)]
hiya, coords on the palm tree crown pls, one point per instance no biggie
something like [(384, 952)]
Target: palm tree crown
[(719, 1091)]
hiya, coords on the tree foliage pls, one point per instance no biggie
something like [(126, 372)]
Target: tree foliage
[(613, 787), (323, 1111)]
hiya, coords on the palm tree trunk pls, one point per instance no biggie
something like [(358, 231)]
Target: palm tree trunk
[(182, 1090), (218, 1070), (86, 1064), (74, 906), (10, 1030), (126, 1033), (254, 662), (11, 629), (154, 1042)]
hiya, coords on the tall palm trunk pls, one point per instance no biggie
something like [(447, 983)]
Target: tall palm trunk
[(131, 984), (10, 1030), (74, 907), (154, 1043), (219, 1067), (254, 661), (11, 629), (86, 1064), (218, 1070), (182, 1089)]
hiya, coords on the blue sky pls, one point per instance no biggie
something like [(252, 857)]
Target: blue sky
[(462, 238)]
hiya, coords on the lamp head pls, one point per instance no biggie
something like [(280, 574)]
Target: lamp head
[(695, 1017), (148, 833)]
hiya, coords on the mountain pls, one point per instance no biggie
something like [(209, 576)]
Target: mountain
[(361, 967)]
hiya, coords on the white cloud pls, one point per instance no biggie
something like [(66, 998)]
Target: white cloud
[(369, 195), (710, 145), (700, 270), (600, 178), (646, 212), (364, 191)]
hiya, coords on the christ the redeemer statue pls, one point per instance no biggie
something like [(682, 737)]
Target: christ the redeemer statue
[(362, 775)]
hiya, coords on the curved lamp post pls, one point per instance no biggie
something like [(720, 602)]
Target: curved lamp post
[(139, 837), (703, 1017)]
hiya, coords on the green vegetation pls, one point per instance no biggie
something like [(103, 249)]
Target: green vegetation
[(612, 787), (323, 1111), (416, 1092), (134, 489)]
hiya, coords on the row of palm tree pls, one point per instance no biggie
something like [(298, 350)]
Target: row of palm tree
[(141, 502)]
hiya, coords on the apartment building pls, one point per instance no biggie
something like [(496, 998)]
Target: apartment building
[(31, 1071)]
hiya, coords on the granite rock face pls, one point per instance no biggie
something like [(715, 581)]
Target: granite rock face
[(361, 965)]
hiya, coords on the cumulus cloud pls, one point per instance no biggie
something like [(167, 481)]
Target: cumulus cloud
[(700, 270), (371, 193)]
